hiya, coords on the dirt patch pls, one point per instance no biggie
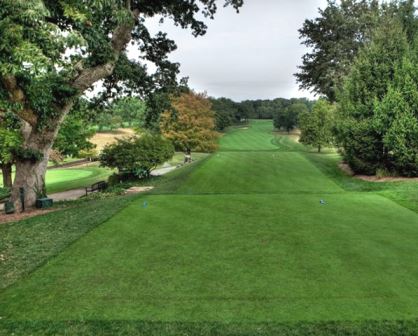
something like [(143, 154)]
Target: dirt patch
[(137, 190), (20, 216), (101, 139), (346, 169), (385, 179)]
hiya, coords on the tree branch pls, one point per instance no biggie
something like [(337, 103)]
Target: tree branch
[(16, 95), (120, 38)]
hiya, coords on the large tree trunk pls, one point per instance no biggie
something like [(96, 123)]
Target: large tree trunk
[(6, 170), (30, 172)]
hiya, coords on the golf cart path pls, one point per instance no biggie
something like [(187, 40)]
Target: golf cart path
[(74, 194)]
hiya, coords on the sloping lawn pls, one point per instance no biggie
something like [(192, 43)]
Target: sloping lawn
[(253, 240), (58, 180)]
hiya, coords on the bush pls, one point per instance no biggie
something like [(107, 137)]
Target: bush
[(90, 154), (137, 155)]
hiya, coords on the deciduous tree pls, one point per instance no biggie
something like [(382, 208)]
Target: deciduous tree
[(51, 52), (190, 124), (317, 126), (287, 118), (137, 155)]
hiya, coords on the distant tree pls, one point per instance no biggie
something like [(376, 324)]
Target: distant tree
[(190, 124), (378, 106), (10, 143), (287, 118), (226, 112), (137, 155), (338, 34), (130, 109), (317, 126), (74, 136)]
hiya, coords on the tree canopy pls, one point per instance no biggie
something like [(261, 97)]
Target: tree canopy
[(190, 123), (137, 155), (338, 34), (379, 105), (317, 126), (51, 52)]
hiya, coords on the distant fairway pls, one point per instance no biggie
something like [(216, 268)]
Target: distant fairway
[(243, 238), (72, 178)]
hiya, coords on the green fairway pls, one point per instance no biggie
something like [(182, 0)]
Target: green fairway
[(73, 178), (240, 237), (62, 179)]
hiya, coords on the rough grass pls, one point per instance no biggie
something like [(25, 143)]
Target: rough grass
[(26, 245), (236, 244)]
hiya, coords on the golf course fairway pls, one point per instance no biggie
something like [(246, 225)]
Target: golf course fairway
[(255, 233)]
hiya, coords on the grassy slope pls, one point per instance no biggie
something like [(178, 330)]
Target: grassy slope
[(62, 179), (26, 245), (254, 253), (58, 180)]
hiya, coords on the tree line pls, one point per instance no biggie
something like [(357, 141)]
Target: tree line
[(364, 63), (283, 111)]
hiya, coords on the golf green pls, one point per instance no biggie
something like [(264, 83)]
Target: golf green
[(252, 234)]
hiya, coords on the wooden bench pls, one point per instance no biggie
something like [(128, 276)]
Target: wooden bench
[(98, 186)]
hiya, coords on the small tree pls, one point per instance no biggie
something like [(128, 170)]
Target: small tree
[(130, 109), (137, 155), (190, 125), (317, 126), (287, 118)]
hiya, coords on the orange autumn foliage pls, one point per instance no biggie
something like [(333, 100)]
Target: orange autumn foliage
[(190, 125)]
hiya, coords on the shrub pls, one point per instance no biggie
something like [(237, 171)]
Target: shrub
[(137, 155)]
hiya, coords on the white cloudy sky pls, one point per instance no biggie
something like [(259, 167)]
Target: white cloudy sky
[(249, 55)]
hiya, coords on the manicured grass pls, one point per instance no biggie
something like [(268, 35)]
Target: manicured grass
[(257, 136), (58, 180), (257, 172), (62, 179), (236, 244), (233, 259)]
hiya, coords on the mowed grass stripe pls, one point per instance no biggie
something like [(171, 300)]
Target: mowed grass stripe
[(233, 258), (257, 136), (257, 172), (231, 252)]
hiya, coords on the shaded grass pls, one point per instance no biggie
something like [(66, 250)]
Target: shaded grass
[(30, 243)]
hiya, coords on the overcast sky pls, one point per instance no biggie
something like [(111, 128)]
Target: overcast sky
[(249, 55)]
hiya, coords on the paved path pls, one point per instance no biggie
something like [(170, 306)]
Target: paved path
[(71, 195)]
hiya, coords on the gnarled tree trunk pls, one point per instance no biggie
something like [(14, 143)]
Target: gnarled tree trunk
[(30, 172)]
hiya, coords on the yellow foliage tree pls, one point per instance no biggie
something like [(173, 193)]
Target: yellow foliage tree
[(190, 124)]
